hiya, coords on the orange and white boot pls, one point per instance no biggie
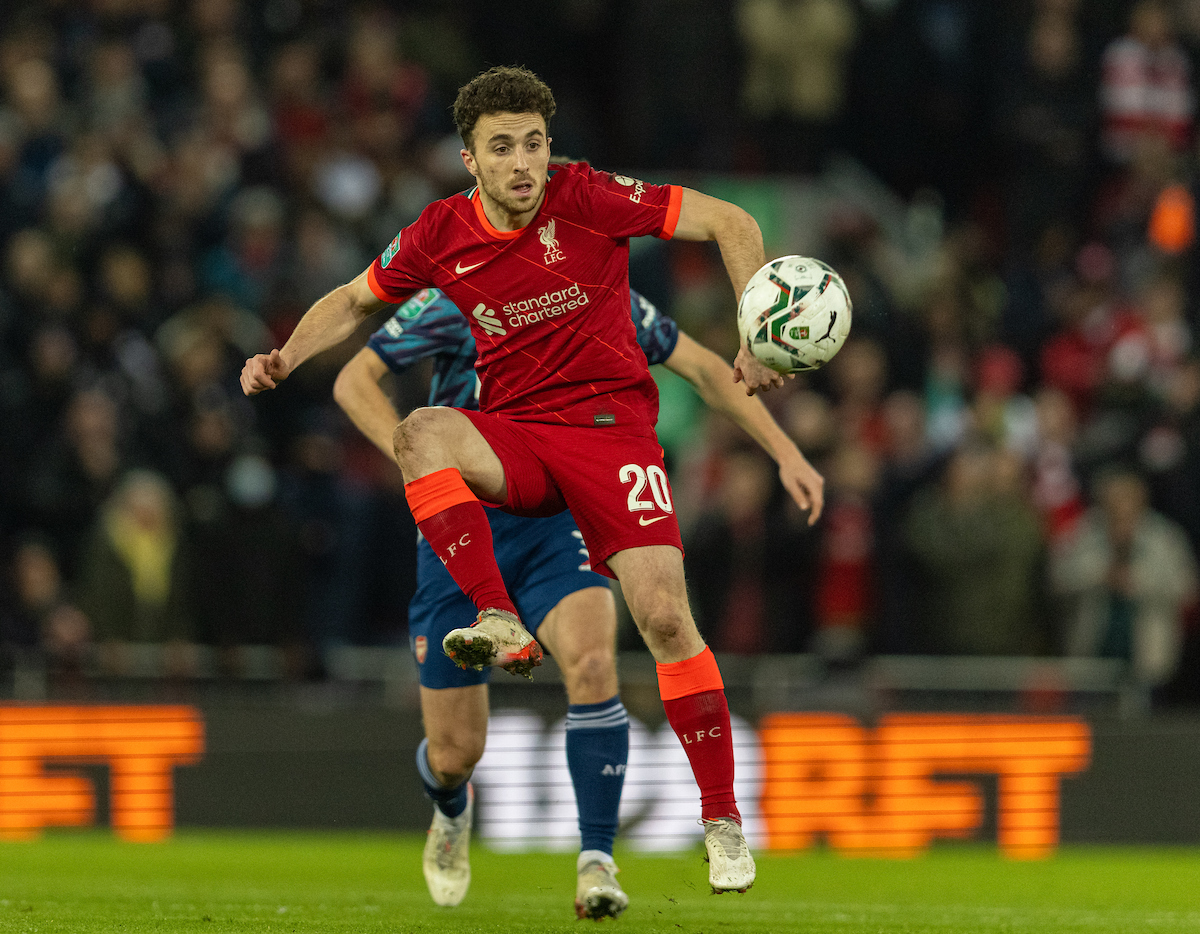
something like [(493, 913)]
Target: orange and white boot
[(496, 638)]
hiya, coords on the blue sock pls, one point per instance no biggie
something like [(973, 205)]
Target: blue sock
[(450, 801), (597, 753)]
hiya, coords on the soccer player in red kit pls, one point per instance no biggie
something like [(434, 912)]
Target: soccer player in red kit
[(537, 258)]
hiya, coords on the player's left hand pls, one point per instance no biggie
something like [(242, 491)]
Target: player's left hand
[(757, 376), (804, 484)]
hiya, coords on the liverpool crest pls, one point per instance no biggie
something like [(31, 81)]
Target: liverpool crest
[(546, 235)]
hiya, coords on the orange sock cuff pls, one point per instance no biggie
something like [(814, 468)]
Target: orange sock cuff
[(436, 492), (691, 676)]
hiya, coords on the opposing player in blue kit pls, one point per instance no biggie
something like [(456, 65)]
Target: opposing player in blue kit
[(566, 605)]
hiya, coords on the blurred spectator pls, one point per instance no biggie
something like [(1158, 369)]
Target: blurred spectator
[(382, 97), (1000, 413), (321, 256), (231, 114), (1077, 358), (34, 104), (846, 600), (300, 110), (1056, 485), (1046, 119), (1036, 285), (89, 198), (116, 93), (329, 514), (795, 74), (1161, 305), (1145, 89), (1169, 451), (247, 559), (247, 267), (858, 377), (948, 364), (33, 399), (746, 559), (979, 549), (126, 282), (203, 347), (77, 471), (134, 577), (41, 625), (1125, 209), (908, 465), (1126, 577), (29, 263)]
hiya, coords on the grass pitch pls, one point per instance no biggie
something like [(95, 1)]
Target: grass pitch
[(224, 882)]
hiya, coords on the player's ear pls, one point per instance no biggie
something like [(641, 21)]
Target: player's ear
[(469, 161)]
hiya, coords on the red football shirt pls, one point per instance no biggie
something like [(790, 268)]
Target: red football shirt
[(548, 304)]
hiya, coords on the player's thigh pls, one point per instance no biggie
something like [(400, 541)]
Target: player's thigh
[(581, 633), (439, 437), (652, 583), (456, 726), (616, 487), (528, 488)]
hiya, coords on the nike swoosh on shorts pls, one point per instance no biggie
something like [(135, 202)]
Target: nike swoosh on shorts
[(642, 520)]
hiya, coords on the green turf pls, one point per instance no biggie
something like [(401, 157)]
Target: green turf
[(214, 883)]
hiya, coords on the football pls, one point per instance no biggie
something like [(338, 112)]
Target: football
[(794, 314)]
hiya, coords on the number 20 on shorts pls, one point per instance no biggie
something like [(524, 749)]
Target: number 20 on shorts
[(652, 480)]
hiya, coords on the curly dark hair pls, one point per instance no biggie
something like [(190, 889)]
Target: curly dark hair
[(503, 89)]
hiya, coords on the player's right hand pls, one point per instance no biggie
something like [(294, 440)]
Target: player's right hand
[(264, 371), (756, 375)]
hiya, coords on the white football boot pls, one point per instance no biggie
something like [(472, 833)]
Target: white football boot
[(495, 638), (447, 860), (730, 865), (598, 894)]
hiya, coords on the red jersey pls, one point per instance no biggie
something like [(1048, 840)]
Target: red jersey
[(548, 304)]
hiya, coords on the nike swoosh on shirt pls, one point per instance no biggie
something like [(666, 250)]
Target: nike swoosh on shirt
[(642, 520), (460, 269)]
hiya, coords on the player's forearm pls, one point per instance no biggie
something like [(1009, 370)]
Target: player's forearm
[(326, 324), (361, 398), (702, 217), (741, 245)]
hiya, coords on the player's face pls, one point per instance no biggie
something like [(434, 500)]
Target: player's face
[(510, 157)]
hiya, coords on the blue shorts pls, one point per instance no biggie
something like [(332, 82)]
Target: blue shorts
[(542, 560)]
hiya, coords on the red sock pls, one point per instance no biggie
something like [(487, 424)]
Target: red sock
[(693, 696), (455, 524)]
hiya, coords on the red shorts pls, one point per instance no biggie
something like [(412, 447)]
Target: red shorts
[(612, 480)]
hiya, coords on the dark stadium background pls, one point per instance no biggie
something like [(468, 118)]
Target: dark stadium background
[(1016, 224)]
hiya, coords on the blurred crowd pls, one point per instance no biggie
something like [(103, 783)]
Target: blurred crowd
[(1011, 437)]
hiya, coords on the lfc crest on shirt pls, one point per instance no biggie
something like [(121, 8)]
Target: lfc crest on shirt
[(546, 235)]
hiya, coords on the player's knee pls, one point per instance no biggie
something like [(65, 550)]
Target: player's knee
[(416, 434), (454, 760), (666, 625), (658, 612), (592, 673), (406, 437)]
